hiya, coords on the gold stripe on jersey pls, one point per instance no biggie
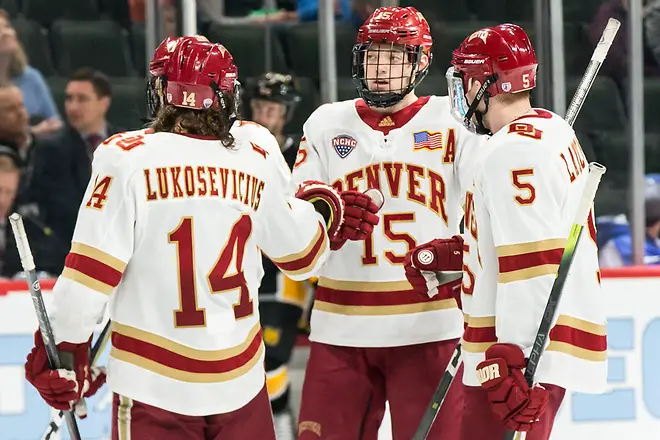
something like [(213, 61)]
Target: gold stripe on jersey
[(402, 309), (578, 352), (528, 273), (183, 350), (480, 321), (87, 281), (98, 255), (187, 376), (476, 347), (365, 286), (302, 254), (526, 248), (591, 327)]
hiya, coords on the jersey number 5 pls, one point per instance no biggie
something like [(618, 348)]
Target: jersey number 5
[(189, 314)]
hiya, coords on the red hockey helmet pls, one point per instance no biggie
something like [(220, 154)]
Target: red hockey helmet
[(165, 49), (157, 67), (402, 29), (501, 58), (199, 75)]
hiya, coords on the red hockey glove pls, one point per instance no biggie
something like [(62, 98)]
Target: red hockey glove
[(61, 388), (435, 264), (514, 403), (349, 215)]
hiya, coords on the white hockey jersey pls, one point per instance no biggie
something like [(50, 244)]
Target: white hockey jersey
[(363, 298), (170, 232), (528, 180)]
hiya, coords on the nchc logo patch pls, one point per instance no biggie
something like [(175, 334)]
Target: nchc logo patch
[(343, 145)]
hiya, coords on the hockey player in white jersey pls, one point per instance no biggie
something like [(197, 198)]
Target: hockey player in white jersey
[(170, 235), (373, 338), (528, 180)]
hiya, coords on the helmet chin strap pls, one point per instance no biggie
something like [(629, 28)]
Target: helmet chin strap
[(472, 110)]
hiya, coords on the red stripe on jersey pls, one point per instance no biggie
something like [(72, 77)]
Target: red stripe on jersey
[(183, 363), (93, 268), (578, 338), (305, 261), (392, 298), (480, 334), (512, 263)]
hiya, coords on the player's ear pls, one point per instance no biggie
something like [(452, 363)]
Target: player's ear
[(424, 61)]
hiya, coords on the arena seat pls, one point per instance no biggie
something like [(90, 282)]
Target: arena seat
[(47, 11), (138, 48), (603, 108), (117, 10), (34, 39), (652, 105), (11, 6), (577, 48), (57, 84), (582, 10), (303, 45), (128, 102), (247, 45), (434, 10), (101, 44), (502, 11)]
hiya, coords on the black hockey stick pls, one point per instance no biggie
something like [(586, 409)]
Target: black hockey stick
[(97, 349), (27, 261), (579, 97)]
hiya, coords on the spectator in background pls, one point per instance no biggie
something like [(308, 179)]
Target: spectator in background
[(14, 68), (15, 131), (617, 250), (41, 241), (652, 28), (616, 64), (62, 168), (308, 10)]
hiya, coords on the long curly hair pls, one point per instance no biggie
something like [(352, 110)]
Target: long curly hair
[(207, 122)]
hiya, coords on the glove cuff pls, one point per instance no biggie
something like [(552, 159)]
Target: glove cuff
[(326, 200)]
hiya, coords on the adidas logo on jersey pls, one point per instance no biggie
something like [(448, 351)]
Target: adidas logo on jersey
[(386, 122)]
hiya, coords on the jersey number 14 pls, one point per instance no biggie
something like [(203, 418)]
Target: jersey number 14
[(189, 314)]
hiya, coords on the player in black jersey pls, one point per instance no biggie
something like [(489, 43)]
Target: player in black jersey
[(273, 100)]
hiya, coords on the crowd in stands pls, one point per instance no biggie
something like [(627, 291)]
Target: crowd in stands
[(72, 72)]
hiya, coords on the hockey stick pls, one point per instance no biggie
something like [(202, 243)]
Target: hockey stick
[(27, 261), (596, 171), (597, 58), (97, 349)]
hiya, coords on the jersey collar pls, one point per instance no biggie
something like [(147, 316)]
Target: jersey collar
[(387, 122)]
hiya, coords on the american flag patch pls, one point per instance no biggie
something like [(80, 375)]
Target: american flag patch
[(423, 140)]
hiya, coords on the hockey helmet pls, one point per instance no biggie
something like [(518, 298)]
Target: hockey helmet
[(402, 29), (157, 67), (501, 58), (277, 87)]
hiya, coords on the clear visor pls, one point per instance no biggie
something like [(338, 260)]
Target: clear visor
[(459, 102)]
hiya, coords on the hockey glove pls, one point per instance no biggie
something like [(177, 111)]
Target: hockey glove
[(434, 264), (513, 402), (349, 215), (62, 389)]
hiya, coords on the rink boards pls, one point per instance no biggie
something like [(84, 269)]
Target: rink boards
[(630, 410)]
